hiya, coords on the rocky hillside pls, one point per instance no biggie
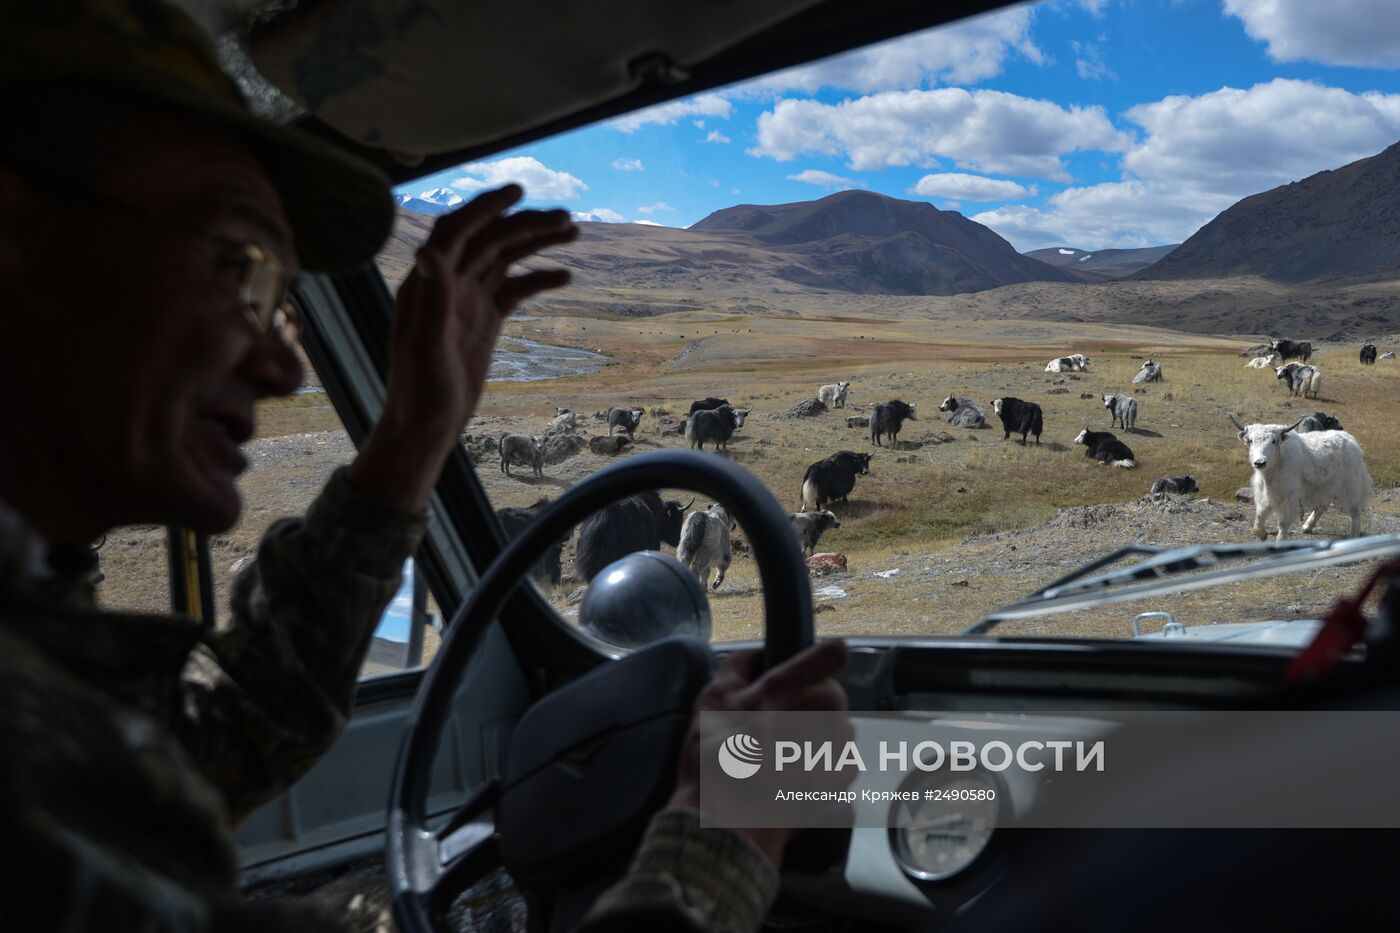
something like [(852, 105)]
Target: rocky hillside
[(1338, 225)]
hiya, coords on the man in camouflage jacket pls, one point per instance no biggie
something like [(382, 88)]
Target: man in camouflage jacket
[(151, 226)]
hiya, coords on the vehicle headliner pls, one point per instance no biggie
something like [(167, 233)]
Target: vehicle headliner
[(372, 73)]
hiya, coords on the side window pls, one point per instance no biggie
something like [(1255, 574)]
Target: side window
[(298, 444)]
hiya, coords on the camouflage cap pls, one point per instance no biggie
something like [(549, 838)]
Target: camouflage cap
[(339, 207)]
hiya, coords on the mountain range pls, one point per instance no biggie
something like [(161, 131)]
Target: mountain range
[(1341, 225), (1334, 227), (1104, 264)]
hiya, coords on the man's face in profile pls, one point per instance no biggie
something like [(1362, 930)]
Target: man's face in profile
[(139, 349)]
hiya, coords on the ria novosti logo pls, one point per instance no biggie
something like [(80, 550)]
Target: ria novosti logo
[(740, 756)]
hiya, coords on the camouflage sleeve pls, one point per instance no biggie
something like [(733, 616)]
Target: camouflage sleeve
[(686, 877), (266, 695)]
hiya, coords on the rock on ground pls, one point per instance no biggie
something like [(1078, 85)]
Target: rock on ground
[(561, 447), (858, 421), (670, 424), (826, 563), (806, 409)]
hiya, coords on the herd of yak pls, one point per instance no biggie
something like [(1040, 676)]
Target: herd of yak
[(1296, 476)]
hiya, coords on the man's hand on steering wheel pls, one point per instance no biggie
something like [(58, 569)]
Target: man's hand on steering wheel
[(803, 683)]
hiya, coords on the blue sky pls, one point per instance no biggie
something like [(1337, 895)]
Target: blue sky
[(1086, 123)]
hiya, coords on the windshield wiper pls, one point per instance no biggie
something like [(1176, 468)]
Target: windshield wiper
[(1162, 569)]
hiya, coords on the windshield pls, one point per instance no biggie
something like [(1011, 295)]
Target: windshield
[(1024, 270)]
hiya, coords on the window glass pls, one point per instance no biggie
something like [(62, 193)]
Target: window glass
[(1026, 285)]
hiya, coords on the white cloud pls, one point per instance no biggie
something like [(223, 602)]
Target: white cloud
[(648, 223), (990, 131), (1243, 141), (717, 137), (709, 105), (699, 124), (969, 187), (1363, 33), (1094, 8), (653, 208), (1090, 63), (964, 53), (600, 215), (1199, 155), (540, 182), (815, 176), (627, 165)]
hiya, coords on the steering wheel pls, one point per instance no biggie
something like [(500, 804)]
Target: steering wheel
[(612, 735)]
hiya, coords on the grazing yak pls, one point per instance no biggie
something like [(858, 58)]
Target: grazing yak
[(626, 418), (1368, 354), (705, 544), (707, 404), (1387, 355), (1261, 362), (514, 521), (833, 478), (1300, 379), (888, 418), (834, 395), (637, 523), (810, 526), (1298, 475), (716, 426), (1292, 349), (521, 448), (1319, 421), (1151, 371), (1068, 364), (1180, 484), (962, 413), (1106, 448), (1123, 410), (1019, 417)]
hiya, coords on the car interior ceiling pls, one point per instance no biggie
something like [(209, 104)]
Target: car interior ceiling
[(547, 81)]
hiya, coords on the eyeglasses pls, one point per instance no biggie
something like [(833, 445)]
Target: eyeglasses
[(262, 290)]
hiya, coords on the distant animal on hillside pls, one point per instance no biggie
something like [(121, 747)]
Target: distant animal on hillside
[(833, 478), (1368, 354), (962, 413), (1123, 410), (1068, 364), (1319, 421), (514, 521), (834, 395), (1019, 417), (521, 448), (1178, 484), (707, 404), (1292, 349), (888, 418), (809, 527), (706, 544), (1151, 371), (1261, 362), (1300, 379), (640, 522), (716, 426), (1297, 475), (629, 419), (1106, 448)]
